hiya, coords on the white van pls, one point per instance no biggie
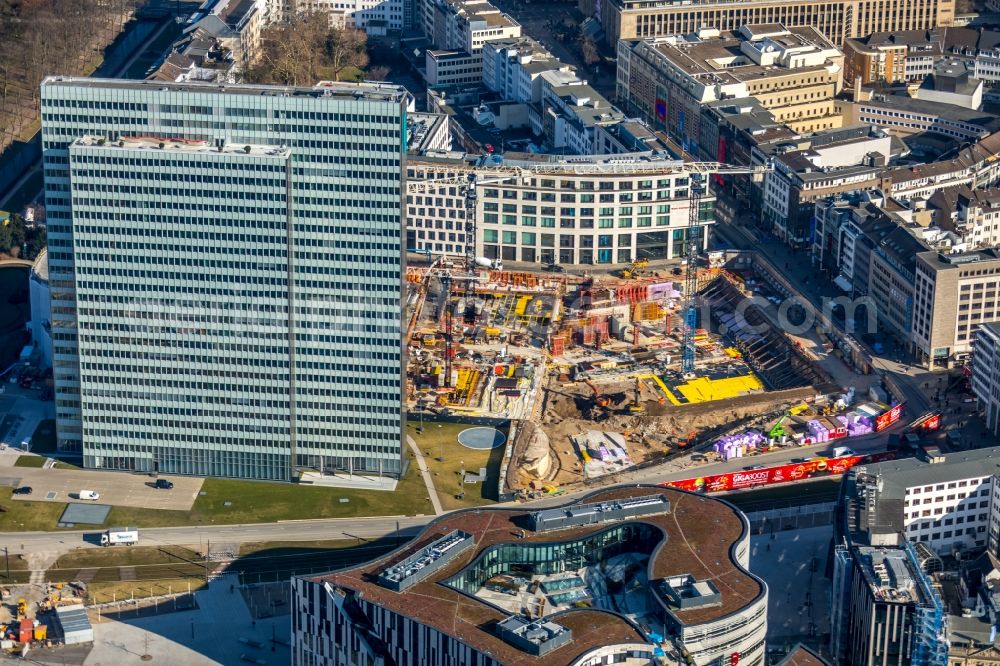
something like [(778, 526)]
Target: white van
[(89, 495)]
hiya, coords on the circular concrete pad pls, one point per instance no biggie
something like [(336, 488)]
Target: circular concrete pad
[(481, 438)]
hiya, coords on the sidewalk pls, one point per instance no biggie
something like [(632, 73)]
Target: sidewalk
[(424, 472), (815, 286), (212, 634)]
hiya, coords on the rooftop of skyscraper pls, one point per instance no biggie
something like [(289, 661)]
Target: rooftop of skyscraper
[(181, 145), (374, 91)]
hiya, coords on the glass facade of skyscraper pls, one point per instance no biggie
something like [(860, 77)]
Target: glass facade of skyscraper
[(227, 303)]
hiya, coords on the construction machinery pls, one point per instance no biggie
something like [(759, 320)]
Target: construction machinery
[(600, 399), (635, 269), (467, 185), (698, 175)]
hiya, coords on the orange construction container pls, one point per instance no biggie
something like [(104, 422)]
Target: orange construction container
[(27, 631), (558, 345)]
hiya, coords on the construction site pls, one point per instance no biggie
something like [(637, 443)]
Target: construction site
[(593, 368), (602, 372)]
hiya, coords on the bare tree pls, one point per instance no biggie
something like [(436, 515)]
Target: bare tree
[(589, 50), (306, 49)]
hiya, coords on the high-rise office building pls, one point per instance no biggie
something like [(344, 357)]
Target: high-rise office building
[(226, 268)]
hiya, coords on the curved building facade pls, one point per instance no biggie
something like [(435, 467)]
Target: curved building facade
[(627, 575), (579, 210)]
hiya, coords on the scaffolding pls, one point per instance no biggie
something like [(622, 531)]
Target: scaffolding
[(930, 624)]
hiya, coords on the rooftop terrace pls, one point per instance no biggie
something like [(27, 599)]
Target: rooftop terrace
[(699, 536)]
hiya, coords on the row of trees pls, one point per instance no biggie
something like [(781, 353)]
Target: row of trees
[(305, 49), (42, 37)]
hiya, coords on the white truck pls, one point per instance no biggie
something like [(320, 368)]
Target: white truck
[(120, 536)]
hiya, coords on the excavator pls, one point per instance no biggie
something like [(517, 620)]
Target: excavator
[(600, 399), (635, 269), (599, 408)]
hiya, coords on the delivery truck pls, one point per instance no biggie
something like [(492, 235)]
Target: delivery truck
[(120, 536)]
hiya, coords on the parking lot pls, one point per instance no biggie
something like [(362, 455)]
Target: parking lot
[(21, 410), (116, 489)]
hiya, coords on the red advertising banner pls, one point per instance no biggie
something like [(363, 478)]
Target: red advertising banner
[(744, 479), (886, 419)]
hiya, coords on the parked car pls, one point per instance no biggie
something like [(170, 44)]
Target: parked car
[(23, 490), (163, 484), (752, 467), (554, 268), (91, 495)]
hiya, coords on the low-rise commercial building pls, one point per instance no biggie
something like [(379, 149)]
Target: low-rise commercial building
[(513, 68), (795, 73), (457, 31), (973, 215), (448, 68), (466, 25), (837, 19), (905, 115), (838, 161), (569, 114), (603, 209), (870, 244), (372, 16), (952, 82), (953, 295), (441, 598)]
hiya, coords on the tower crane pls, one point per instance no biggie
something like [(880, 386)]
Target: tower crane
[(698, 174), (467, 183)]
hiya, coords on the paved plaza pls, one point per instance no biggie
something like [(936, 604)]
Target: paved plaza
[(793, 563)]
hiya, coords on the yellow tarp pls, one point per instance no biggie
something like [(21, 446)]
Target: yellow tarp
[(702, 389)]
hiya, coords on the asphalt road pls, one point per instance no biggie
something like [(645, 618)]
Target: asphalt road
[(377, 527)]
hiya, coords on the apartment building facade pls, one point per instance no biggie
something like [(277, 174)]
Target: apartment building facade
[(595, 210), (513, 68), (139, 235), (985, 378), (845, 161), (954, 294), (909, 55), (836, 19), (794, 73)]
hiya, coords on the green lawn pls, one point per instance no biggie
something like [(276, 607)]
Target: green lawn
[(446, 458), (251, 502), (30, 461), (124, 557), (39, 461), (22, 516)]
